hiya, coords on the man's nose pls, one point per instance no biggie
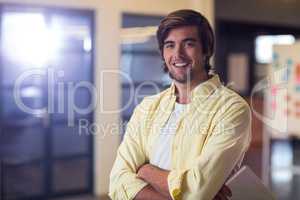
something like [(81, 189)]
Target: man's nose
[(179, 51)]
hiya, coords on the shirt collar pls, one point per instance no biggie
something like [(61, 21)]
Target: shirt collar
[(203, 90)]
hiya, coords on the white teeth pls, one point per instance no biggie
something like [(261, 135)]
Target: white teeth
[(180, 64)]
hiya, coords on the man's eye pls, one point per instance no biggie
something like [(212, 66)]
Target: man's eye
[(190, 44), (168, 46)]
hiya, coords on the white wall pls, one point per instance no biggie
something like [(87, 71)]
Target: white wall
[(108, 22), (157, 7)]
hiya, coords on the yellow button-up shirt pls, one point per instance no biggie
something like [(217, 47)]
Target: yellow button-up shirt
[(210, 140)]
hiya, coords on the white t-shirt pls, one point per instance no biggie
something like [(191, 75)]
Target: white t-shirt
[(161, 153)]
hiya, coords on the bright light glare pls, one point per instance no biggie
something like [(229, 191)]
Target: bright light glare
[(31, 91), (87, 44), (264, 46), (27, 39), (281, 162)]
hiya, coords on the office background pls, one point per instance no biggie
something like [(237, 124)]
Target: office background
[(104, 49)]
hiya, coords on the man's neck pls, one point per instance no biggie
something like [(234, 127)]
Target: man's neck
[(183, 91)]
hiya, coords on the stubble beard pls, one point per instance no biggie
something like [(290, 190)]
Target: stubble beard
[(186, 78)]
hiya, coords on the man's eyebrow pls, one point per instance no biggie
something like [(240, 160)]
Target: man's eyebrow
[(168, 42), (190, 40)]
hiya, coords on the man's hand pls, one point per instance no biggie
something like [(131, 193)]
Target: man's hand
[(224, 193), (156, 177), (142, 172), (149, 193)]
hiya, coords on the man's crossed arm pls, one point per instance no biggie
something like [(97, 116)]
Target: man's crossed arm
[(158, 184)]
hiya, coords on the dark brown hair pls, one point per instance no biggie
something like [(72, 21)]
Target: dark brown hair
[(187, 17)]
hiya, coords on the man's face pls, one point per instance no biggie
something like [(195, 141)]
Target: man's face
[(182, 52)]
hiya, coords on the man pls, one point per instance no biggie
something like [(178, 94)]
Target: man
[(184, 142)]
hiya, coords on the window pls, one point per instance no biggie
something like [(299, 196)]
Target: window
[(141, 64), (264, 46), (46, 55)]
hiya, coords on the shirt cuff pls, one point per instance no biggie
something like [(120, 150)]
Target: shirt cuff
[(131, 190), (175, 178)]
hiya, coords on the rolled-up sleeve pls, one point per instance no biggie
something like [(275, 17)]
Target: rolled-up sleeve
[(223, 149), (124, 184)]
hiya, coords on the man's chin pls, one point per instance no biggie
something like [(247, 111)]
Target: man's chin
[(182, 79)]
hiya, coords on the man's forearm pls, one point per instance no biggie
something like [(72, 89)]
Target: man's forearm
[(156, 177), (149, 193)]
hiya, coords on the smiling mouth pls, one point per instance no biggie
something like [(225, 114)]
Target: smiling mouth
[(181, 65)]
